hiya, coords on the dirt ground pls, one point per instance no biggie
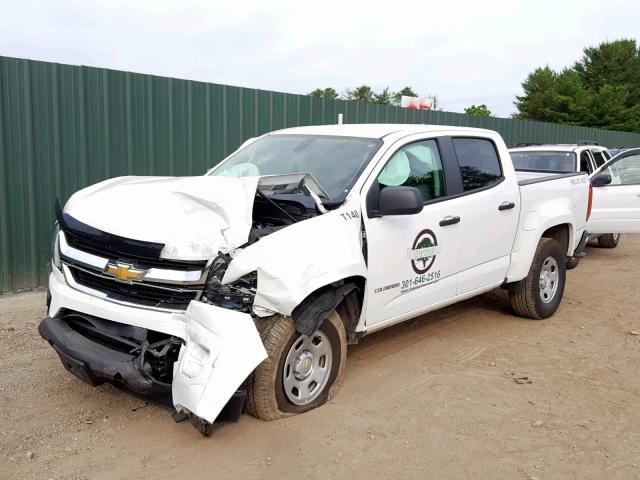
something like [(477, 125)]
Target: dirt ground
[(437, 397)]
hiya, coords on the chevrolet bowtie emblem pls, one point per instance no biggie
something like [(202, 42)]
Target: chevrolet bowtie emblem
[(124, 272)]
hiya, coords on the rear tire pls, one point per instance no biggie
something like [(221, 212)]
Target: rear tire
[(608, 240), (267, 395), (538, 296)]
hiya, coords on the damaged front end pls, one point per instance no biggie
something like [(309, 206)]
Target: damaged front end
[(199, 376), (156, 318)]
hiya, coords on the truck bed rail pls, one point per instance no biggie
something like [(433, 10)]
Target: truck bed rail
[(546, 178)]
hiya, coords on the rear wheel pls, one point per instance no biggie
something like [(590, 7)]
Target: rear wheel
[(301, 372), (538, 296), (608, 240)]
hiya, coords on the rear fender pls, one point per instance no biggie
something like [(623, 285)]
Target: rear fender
[(533, 228)]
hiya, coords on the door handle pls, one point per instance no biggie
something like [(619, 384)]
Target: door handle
[(449, 220), (506, 206)]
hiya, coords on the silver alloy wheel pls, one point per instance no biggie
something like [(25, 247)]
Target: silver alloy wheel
[(307, 368), (548, 279), (616, 237)]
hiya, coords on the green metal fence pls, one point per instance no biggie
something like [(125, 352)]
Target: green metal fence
[(65, 127)]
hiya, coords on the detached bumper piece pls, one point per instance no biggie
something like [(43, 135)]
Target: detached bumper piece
[(230, 413), (133, 358)]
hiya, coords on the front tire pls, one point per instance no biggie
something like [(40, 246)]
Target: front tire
[(538, 296), (608, 240), (300, 372)]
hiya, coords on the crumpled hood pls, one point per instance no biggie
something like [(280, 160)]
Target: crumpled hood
[(195, 217)]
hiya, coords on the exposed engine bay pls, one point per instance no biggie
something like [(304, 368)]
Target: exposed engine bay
[(271, 213)]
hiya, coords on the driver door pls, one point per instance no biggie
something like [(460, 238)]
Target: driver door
[(616, 195), (412, 258)]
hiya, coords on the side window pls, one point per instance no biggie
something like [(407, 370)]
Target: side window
[(625, 171), (416, 165), (585, 164), (598, 157), (479, 163)]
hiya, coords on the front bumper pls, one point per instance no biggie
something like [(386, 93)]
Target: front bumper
[(96, 363), (216, 348)]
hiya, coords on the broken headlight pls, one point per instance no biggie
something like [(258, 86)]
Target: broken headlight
[(236, 295), (55, 249)]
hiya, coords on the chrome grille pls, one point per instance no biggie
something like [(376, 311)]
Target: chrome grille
[(141, 293), (166, 284)]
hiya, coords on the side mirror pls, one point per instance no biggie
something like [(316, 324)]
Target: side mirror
[(601, 180), (399, 201)]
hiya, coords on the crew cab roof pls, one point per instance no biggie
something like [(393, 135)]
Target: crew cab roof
[(376, 130)]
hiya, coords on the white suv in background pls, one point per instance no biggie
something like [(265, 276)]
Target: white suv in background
[(584, 157), (559, 157)]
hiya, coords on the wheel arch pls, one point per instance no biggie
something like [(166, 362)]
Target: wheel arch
[(345, 295), (561, 233), (528, 240)]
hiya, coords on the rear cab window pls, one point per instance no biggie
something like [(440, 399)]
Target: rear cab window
[(548, 160), (479, 163)]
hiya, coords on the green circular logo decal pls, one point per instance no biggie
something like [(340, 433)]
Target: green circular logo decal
[(423, 251)]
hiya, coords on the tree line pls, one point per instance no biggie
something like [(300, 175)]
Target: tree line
[(366, 94), (601, 89)]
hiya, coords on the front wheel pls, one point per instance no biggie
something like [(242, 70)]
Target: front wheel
[(608, 240), (538, 296), (301, 372)]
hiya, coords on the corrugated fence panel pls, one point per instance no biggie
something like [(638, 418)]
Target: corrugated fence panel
[(65, 127)]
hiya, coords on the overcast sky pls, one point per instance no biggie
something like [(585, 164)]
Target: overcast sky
[(465, 52)]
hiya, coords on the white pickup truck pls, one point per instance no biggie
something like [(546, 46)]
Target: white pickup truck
[(244, 286)]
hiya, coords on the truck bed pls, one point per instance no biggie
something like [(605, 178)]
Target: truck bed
[(547, 199)]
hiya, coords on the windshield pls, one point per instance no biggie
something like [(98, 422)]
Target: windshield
[(546, 161), (333, 160)]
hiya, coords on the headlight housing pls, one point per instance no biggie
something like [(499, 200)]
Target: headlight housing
[(55, 249), (237, 295)]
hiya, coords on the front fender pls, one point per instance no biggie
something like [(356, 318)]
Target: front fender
[(298, 260)]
